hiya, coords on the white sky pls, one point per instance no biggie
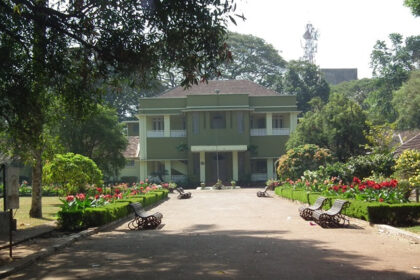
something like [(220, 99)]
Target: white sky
[(348, 29)]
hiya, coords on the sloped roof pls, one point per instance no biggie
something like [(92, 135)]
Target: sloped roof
[(412, 144), (223, 87), (133, 148)]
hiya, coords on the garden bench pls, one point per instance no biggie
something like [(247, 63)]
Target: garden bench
[(306, 212), (182, 193), (333, 216), (264, 192), (143, 219)]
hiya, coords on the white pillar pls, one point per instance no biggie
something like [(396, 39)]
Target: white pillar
[(143, 170), (235, 165), (293, 122), (168, 168), (143, 136), (202, 167), (270, 167), (269, 123), (166, 126)]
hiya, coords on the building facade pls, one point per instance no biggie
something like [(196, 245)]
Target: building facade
[(228, 130)]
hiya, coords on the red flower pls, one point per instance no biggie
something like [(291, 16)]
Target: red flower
[(99, 190), (381, 199), (356, 180), (394, 183), (96, 196), (377, 187), (335, 188), (81, 196), (362, 187), (70, 198), (343, 188), (117, 191)]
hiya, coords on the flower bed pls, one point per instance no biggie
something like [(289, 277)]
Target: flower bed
[(87, 210), (375, 202)]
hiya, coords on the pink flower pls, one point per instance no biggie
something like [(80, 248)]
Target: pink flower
[(81, 196), (70, 198)]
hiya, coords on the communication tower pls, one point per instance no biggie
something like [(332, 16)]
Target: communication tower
[(310, 46)]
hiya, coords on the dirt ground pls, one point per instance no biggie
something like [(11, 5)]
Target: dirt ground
[(233, 234)]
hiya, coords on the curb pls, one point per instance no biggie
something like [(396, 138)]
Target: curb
[(415, 238), (9, 269)]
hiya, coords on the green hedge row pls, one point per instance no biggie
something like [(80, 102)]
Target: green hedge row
[(92, 217), (374, 212)]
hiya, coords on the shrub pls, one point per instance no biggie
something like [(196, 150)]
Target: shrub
[(338, 170), (72, 172), (365, 165), (408, 167), (305, 157)]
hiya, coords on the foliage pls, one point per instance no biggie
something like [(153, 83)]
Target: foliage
[(340, 126), (305, 80), (255, 60), (72, 172), (297, 160), (379, 138), (408, 166), (365, 165), (100, 137), (414, 5), (357, 90), (406, 102), (391, 65), (338, 170)]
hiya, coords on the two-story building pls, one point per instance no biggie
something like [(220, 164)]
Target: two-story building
[(232, 130)]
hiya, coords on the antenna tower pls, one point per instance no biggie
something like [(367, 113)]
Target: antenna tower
[(311, 46)]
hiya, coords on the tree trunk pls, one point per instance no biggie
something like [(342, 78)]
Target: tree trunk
[(36, 207)]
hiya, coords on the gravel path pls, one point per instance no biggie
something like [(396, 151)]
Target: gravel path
[(233, 235)]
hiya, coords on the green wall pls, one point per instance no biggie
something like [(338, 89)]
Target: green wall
[(269, 146), (165, 148)]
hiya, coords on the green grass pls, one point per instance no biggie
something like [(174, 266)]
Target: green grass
[(414, 229), (50, 207)]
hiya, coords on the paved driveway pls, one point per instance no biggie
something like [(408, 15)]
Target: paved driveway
[(233, 235)]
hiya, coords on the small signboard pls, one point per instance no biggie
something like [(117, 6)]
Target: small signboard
[(12, 187)]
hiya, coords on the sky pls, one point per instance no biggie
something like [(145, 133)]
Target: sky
[(348, 29)]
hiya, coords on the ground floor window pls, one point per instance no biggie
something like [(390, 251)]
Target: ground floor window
[(259, 166)]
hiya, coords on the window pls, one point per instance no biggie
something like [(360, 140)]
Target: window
[(218, 120), (196, 122), (129, 163), (257, 121), (259, 166), (240, 121), (157, 123), (277, 121)]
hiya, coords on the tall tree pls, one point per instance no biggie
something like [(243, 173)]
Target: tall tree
[(43, 39), (391, 65), (406, 102), (100, 137), (305, 80), (414, 5), (340, 126), (357, 90)]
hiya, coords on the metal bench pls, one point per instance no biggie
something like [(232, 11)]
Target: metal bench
[(264, 192), (306, 211), (332, 217), (143, 219), (182, 193)]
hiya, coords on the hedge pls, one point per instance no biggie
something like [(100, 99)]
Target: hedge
[(92, 217), (373, 212)]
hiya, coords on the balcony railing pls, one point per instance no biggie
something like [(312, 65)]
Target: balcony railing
[(258, 132), (161, 133), (178, 133), (155, 133), (281, 131)]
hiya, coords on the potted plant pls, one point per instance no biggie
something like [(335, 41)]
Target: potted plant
[(233, 183)]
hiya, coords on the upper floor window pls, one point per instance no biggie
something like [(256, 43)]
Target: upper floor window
[(257, 121), (277, 121), (157, 123), (240, 119), (195, 122), (217, 120)]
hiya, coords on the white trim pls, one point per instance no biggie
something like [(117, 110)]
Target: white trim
[(220, 148)]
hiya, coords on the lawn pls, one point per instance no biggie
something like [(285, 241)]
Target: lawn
[(50, 207), (415, 229)]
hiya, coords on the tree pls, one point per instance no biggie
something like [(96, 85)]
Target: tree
[(305, 80), (406, 102), (414, 5), (72, 172), (339, 126), (99, 137), (357, 90), (391, 65), (53, 52)]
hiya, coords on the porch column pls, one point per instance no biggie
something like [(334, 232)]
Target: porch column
[(270, 171), (235, 165), (143, 170), (269, 123), (293, 122), (166, 126), (202, 167), (143, 136), (168, 167)]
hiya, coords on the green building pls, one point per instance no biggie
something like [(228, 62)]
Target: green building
[(232, 130)]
